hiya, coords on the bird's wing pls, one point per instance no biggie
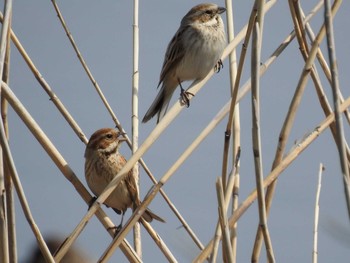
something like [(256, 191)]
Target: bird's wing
[(174, 54)]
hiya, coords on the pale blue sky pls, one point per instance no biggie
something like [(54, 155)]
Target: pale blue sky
[(103, 32)]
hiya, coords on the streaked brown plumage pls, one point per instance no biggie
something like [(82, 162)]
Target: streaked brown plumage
[(194, 50), (102, 163)]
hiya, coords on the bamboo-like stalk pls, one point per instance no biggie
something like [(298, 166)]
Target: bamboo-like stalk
[(4, 246), (235, 202), (47, 87), (255, 101), (289, 120), (244, 90), (227, 136), (233, 73), (4, 227), (323, 62), (157, 239), (63, 166), (234, 92), (134, 114), (226, 242), (336, 102), (21, 196), (228, 194), (10, 202), (317, 212), (275, 173)]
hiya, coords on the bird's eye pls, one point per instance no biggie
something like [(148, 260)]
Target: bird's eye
[(209, 12), (109, 136)]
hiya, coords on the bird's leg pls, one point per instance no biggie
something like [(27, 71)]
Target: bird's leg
[(184, 95), (218, 66), (118, 227)]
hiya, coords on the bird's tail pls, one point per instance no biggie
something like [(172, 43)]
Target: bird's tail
[(160, 104), (148, 215)]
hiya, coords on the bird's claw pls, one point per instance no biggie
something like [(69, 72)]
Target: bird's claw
[(185, 97), (218, 66), (116, 229)]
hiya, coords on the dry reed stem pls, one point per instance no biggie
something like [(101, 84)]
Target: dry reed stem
[(317, 212), (156, 238), (322, 60), (228, 194), (232, 73), (336, 102), (222, 210), (4, 227), (235, 202), (63, 166), (289, 120), (10, 201), (276, 172), (134, 115), (20, 193), (119, 126), (234, 98), (325, 67), (159, 242), (320, 93), (256, 137), (47, 87), (243, 92)]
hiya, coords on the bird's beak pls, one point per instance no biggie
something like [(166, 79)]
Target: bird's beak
[(121, 137), (221, 10)]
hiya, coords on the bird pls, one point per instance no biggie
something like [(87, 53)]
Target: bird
[(103, 162), (194, 50)]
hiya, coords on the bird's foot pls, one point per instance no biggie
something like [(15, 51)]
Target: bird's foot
[(185, 97), (218, 66), (116, 229)]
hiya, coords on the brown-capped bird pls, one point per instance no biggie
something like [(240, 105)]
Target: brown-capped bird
[(102, 163), (194, 50)]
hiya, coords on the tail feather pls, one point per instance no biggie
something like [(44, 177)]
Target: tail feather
[(148, 215), (159, 105)]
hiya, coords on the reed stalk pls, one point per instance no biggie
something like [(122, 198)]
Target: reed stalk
[(289, 120), (275, 173), (336, 104), (135, 115), (4, 227), (317, 213)]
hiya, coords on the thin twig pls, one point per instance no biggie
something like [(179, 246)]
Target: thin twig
[(134, 115), (289, 120), (10, 201), (4, 227), (256, 49), (336, 102), (275, 173), (317, 211), (226, 242), (20, 193)]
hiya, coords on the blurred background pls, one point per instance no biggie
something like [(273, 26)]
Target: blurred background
[(103, 33)]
